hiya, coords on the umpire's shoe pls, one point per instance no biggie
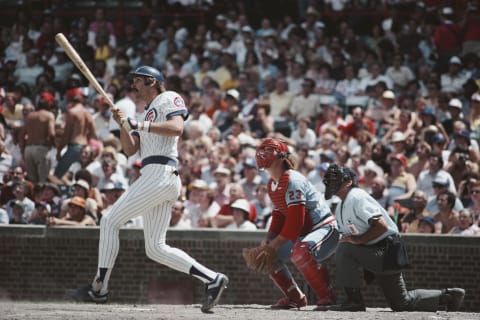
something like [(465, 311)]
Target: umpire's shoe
[(214, 290), (454, 298), (86, 294)]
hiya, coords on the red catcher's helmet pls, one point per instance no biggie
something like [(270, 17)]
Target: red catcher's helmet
[(265, 154)]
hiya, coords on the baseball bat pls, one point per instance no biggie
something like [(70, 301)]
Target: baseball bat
[(80, 64)]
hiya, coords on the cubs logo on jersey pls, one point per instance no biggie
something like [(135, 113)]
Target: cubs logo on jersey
[(178, 102), (151, 115)]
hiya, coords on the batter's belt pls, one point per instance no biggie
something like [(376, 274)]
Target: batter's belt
[(160, 160)]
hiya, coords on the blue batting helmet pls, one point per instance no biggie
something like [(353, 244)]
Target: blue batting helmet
[(148, 71)]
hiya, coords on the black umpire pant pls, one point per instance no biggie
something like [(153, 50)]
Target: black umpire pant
[(351, 260)]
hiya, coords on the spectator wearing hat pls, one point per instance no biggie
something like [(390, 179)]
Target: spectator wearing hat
[(195, 192), (439, 185), (474, 116), (81, 188), (222, 182), (38, 138), (453, 80), (462, 139), (455, 109), (224, 216), (400, 183), (368, 173), (110, 193), (429, 123), (241, 212), (40, 214), (384, 111), (446, 218), (17, 212), (50, 193), (77, 215), (446, 38), (397, 143), (250, 178), (426, 225)]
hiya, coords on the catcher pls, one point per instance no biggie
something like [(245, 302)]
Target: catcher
[(302, 229)]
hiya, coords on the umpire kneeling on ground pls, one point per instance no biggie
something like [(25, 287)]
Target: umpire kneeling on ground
[(371, 242)]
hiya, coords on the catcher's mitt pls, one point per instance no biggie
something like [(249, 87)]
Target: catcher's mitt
[(262, 259)]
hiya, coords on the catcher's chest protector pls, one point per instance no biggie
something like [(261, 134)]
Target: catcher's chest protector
[(277, 192)]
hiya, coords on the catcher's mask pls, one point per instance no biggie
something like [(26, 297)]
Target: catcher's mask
[(335, 177), (269, 150)]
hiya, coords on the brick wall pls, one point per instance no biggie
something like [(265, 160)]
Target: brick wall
[(38, 263)]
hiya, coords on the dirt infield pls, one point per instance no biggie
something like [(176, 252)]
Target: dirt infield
[(65, 311)]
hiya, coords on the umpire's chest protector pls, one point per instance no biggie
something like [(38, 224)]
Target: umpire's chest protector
[(276, 192)]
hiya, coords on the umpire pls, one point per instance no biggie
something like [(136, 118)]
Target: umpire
[(371, 242)]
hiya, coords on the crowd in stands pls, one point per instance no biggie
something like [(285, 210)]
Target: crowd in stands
[(398, 103)]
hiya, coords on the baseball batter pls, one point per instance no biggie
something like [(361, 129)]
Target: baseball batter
[(302, 230), (154, 193)]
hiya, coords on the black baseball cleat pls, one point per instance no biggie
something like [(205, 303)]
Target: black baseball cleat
[(456, 298), (214, 291), (86, 294)]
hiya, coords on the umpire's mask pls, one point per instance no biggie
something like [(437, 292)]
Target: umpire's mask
[(335, 177)]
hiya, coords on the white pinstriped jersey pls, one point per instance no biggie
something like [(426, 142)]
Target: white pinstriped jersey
[(162, 108)]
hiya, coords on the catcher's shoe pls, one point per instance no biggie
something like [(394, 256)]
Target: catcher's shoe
[(286, 303), (214, 291), (86, 294)]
